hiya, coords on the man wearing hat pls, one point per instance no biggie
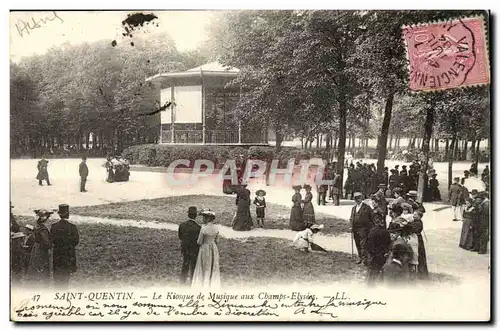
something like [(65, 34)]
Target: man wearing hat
[(393, 180), (456, 198), (361, 221), (337, 188), (84, 172), (412, 200), (381, 197), (434, 187), (43, 173), (188, 235), (484, 223), (65, 238)]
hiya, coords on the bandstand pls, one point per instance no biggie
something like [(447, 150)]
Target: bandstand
[(203, 108)]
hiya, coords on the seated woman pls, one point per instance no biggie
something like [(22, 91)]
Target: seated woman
[(304, 239)]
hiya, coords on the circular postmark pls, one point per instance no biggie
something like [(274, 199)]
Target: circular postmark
[(441, 55)]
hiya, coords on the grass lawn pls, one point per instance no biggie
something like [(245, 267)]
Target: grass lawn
[(174, 210), (123, 256)]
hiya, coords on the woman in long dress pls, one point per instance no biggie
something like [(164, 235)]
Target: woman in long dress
[(296, 221), (39, 266), (470, 217), (207, 271), (417, 226), (242, 220), (308, 209)]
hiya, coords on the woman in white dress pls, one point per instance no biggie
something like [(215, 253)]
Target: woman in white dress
[(304, 239), (207, 271)]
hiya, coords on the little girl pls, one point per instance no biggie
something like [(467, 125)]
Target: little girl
[(260, 207)]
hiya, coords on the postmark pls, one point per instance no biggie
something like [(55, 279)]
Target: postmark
[(447, 55)]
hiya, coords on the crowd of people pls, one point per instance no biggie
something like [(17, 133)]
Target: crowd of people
[(32, 246)]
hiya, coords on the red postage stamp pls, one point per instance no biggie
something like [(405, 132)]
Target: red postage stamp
[(447, 55)]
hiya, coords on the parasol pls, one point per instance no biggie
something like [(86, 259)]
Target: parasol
[(316, 247)]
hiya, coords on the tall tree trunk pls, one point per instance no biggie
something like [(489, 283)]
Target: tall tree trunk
[(429, 122), (384, 132), (446, 147), (279, 140), (473, 148), (87, 136), (478, 151), (450, 156), (455, 153), (302, 142), (436, 145), (390, 142), (317, 141), (464, 153), (342, 137)]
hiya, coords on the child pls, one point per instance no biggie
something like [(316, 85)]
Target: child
[(260, 207)]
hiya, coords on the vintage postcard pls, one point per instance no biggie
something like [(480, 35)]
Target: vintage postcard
[(252, 165)]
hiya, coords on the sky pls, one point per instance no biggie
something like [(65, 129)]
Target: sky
[(187, 28)]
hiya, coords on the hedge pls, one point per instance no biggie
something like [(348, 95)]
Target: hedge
[(164, 155)]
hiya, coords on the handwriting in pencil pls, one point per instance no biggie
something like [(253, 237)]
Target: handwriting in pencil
[(25, 27)]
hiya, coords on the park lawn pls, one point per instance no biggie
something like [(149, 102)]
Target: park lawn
[(174, 210), (123, 256)]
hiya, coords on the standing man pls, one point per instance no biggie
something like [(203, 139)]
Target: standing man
[(455, 196), (188, 235), (43, 173), (381, 197), (84, 172), (484, 223), (65, 238), (337, 189), (361, 222)]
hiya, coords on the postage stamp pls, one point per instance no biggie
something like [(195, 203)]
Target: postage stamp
[(446, 55)]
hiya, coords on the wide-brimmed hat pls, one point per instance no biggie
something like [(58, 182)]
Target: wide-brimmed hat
[(407, 206), (63, 209), (413, 193), (260, 192), (29, 226), (357, 194), (474, 191), (207, 212), (307, 186), (317, 227), (296, 187), (395, 227)]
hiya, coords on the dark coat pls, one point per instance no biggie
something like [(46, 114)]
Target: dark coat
[(383, 201), (83, 170), (188, 235), (456, 194), (484, 215), (395, 274), (378, 245), (417, 227), (42, 170), (65, 238), (363, 219)]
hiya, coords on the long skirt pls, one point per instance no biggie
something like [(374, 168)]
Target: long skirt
[(242, 221), (308, 213), (296, 221), (207, 270), (39, 266), (423, 271), (466, 237)]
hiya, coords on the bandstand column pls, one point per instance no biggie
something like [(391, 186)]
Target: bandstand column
[(172, 112)]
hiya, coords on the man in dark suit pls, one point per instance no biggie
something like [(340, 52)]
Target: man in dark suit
[(455, 195), (381, 196), (84, 172), (188, 235), (65, 238), (378, 247), (361, 221), (337, 189), (43, 173), (484, 223)]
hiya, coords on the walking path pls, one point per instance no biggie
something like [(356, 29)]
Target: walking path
[(443, 253)]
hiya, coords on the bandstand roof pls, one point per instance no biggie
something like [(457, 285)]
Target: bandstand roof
[(210, 69)]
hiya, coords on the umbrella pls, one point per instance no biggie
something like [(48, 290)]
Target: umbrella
[(472, 183), (316, 247)]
